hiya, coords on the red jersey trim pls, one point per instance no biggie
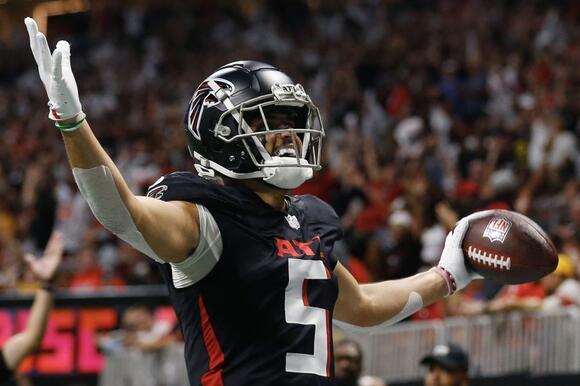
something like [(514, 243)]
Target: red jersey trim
[(213, 376)]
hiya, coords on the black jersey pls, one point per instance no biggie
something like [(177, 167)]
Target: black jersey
[(263, 315)]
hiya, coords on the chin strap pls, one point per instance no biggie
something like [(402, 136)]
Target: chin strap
[(286, 177)]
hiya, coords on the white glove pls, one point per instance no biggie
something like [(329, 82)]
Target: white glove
[(56, 74), (452, 259)]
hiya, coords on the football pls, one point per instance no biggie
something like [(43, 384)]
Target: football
[(508, 247)]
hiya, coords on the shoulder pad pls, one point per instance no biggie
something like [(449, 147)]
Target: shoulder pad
[(320, 209), (177, 186), (187, 186)]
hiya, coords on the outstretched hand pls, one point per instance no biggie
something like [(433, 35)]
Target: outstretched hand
[(56, 74), (45, 267)]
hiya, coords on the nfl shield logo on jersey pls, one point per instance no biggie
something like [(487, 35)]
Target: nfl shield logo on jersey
[(292, 221), (497, 229)]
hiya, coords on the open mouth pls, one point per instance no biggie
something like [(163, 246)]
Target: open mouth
[(285, 151)]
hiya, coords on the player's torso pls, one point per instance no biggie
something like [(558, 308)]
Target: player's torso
[(263, 315)]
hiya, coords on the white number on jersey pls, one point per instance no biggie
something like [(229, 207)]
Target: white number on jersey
[(299, 312)]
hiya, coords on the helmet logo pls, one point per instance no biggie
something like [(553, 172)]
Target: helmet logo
[(204, 97)]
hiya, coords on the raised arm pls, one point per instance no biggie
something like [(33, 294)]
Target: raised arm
[(374, 306), (19, 346), (165, 231)]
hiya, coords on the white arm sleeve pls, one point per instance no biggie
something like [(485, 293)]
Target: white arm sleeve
[(99, 190)]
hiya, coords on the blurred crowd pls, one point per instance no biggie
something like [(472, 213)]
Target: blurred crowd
[(432, 110)]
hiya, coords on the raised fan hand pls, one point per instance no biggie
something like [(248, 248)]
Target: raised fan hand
[(56, 74), (45, 267)]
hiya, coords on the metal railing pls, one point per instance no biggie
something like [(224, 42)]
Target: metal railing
[(497, 345)]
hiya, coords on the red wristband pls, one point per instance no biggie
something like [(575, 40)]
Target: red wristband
[(448, 277)]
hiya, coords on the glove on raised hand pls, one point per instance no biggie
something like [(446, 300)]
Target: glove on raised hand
[(56, 74)]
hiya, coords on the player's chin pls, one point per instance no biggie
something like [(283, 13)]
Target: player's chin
[(273, 188)]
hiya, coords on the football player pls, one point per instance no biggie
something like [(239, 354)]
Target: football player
[(250, 269)]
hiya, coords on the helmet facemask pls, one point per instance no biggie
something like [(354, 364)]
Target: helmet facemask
[(287, 112)]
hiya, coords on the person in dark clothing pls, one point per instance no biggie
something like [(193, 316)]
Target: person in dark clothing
[(396, 252), (448, 366)]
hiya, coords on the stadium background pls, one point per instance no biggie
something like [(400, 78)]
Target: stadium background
[(433, 109)]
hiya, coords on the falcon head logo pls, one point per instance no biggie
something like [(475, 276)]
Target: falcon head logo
[(157, 192), (204, 97)]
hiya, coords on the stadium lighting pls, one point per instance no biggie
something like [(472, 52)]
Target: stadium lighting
[(42, 11)]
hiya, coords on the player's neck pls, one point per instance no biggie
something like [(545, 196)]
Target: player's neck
[(269, 194)]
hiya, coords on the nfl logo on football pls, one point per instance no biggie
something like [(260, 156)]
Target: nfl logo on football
[(497, 229)]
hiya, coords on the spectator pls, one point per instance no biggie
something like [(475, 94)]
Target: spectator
[(145, 351), (369, 380), (395, 252), (348, 359), (547, 294), (88, 274), (448, 366), (562, 286), (19, 346), (139, 331)]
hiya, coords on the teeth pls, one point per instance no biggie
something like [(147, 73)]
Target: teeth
[(285, 151)]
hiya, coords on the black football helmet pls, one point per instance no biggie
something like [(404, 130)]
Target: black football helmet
[(232, 112)]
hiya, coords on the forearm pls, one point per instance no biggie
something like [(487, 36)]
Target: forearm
[(374, 306), (388, 299), (164, 231), (85, 152), (387, 302), (26, 342), (38, 317)]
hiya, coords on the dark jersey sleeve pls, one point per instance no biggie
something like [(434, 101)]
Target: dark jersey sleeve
[(178, 186), (186, 186), (6, 374), (174, 186)]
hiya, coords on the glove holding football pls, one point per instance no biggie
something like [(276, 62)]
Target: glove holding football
[(452, 263), (56, 74)]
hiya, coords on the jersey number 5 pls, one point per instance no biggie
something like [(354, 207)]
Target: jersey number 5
[(299, 312)]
